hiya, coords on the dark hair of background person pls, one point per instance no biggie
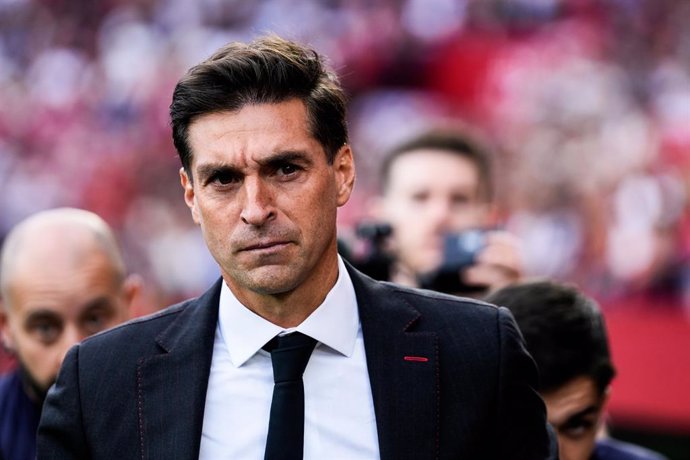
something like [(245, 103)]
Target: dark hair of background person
[(564, 332), (267, 70), (455, 141)]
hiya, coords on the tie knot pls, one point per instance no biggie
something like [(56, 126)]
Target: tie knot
[(290, 354)]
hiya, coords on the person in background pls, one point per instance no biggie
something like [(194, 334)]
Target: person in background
[(565, 333), (62, 279), (374, 370), (437, 197)]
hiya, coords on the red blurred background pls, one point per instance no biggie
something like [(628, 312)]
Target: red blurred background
[(586, 101)]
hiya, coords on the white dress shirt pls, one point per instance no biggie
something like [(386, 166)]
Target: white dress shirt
[(338, 409)]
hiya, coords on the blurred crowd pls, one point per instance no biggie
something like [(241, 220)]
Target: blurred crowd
[(587, 103)]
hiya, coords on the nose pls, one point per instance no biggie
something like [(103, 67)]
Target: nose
[(440, 213), (258, 205)]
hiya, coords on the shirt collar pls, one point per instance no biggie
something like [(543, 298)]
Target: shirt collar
[(334, 323)]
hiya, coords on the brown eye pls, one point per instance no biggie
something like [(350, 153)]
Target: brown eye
[(420, 197), (577, 429), (460, 200), (219, 177), (97, 318), (46, 331), (95, 322), (224, 178), (287, 169)]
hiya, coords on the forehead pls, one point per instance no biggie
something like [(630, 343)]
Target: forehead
[(62, 286), (572, 398), (433, 167), (251, 132)]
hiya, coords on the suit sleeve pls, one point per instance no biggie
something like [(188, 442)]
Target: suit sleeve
[(522, 428), (61, 431)]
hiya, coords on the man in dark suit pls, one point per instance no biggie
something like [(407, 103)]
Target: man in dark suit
[(394, 373)]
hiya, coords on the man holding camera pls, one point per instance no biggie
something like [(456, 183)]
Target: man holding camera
[(437, 197)]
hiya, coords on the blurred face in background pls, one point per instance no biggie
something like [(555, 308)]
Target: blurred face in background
[(50, 306), (430, 193), (575, 412)]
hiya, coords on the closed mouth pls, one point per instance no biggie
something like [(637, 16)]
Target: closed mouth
[(264, 245)]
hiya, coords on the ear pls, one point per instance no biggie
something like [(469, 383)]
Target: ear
[(189, 196), (605, 398), (131, 289), (5, 332), (602, 429), (344, 168)]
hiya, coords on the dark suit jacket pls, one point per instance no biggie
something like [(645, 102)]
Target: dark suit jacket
[(138, 391), (19, 417), (612, 449)]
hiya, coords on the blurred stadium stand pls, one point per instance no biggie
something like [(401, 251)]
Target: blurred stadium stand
[(588, 102)]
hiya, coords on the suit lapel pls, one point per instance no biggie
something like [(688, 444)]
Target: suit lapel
[(171, 385), (403, 370)]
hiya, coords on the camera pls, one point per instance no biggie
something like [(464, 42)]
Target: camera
[(369, 254), (459, 252)]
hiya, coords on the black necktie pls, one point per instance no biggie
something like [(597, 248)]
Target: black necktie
[(290, 355)]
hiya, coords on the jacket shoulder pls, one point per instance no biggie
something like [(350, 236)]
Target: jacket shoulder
[(613, 449), (431, 302)]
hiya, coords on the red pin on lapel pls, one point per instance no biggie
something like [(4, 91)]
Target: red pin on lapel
[(419, 359)]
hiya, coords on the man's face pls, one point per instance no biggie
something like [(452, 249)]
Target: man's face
[(574, 411), (266, 197), (430, 193), (50, 308)]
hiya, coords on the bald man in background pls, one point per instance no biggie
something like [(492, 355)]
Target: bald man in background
[(62, 278)]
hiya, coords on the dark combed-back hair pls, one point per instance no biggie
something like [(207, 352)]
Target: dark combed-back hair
[(267, 70), (563, 329), (454, 141)]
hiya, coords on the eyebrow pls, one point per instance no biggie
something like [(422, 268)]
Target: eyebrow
[(209, 170), (42, 314), (295, 156), (288, 156)]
